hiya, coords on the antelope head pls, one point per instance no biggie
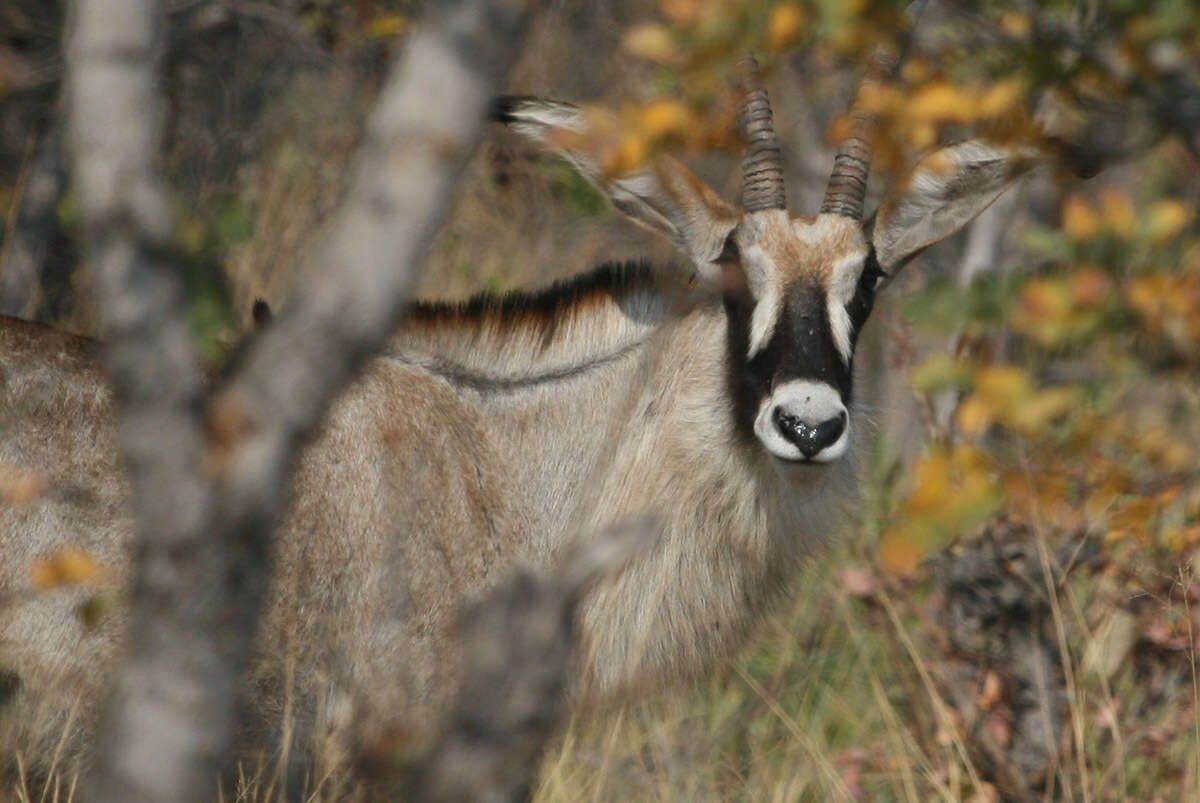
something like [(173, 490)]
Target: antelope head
[(797, 289)]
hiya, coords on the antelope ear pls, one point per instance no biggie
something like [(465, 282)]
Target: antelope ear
[(662, 195), (945, 192)]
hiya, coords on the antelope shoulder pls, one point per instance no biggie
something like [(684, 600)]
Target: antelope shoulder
[(400, 510)]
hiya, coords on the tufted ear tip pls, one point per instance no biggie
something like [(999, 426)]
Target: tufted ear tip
[(945, 192)]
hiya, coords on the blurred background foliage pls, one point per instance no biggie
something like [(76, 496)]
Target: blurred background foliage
[(1012, 614)]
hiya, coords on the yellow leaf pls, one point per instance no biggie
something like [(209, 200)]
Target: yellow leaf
[(938, 371), (973, 417), (875, 98), (43, 575), (1117, 209), (629, 154), (1003, 385), (663, 118), (681, 12), (914, 71), (1079, 219), (68, 566), (1089, 286), (899, 554), (784, 26), (953, 491), (1033, 415), (1115, 534), (19, 487), (930, 484), (1000, 98), (1041, 299), (1144, 294), (387, 24), (1135, 515), (939, 100), (1165, 219), (923, 136), (1176, 456), (651, 41), (1015, 24)]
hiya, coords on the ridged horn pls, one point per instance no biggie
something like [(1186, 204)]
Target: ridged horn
[(848, 183), (762, 166)]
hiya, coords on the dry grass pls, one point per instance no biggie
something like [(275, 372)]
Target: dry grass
[(842, 699)]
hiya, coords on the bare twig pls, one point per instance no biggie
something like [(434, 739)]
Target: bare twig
[(205, 498)]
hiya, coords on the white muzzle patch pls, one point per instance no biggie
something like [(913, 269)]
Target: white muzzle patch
[(804, 420)]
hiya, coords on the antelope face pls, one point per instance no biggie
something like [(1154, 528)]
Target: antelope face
[(797, 290), (808, 289)]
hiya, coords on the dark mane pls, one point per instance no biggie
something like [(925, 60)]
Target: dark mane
[(522, 338), (608, 282)]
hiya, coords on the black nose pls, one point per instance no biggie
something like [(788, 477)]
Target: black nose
[(809, 438)]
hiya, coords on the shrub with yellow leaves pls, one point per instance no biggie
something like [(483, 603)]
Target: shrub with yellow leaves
[(1065, 428), (953, 490)]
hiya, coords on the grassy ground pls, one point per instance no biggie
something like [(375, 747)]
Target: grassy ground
[(849, 694)]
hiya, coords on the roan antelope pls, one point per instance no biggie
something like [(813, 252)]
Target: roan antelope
[(720, 404)]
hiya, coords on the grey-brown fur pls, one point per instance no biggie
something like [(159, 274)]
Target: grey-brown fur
[(54, 424), (421, 492)]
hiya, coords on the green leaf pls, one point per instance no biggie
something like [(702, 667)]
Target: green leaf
[(945, 305), (232, 224), (575, 192)]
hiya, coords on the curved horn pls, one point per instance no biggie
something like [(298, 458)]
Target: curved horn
[(848, 182), (762, 166)]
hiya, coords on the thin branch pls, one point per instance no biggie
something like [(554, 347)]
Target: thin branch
[(206, 497), (354, 288), (146, 752)]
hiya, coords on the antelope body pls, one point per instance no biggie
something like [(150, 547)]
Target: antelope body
[(494, 433)]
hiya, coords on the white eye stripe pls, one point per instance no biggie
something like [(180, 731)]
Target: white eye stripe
[(844, 276), (761, 274), (841, 327), (763, 320), (766, 315)]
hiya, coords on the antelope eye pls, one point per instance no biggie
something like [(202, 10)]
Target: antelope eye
[(869, 280), (872, 275)]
